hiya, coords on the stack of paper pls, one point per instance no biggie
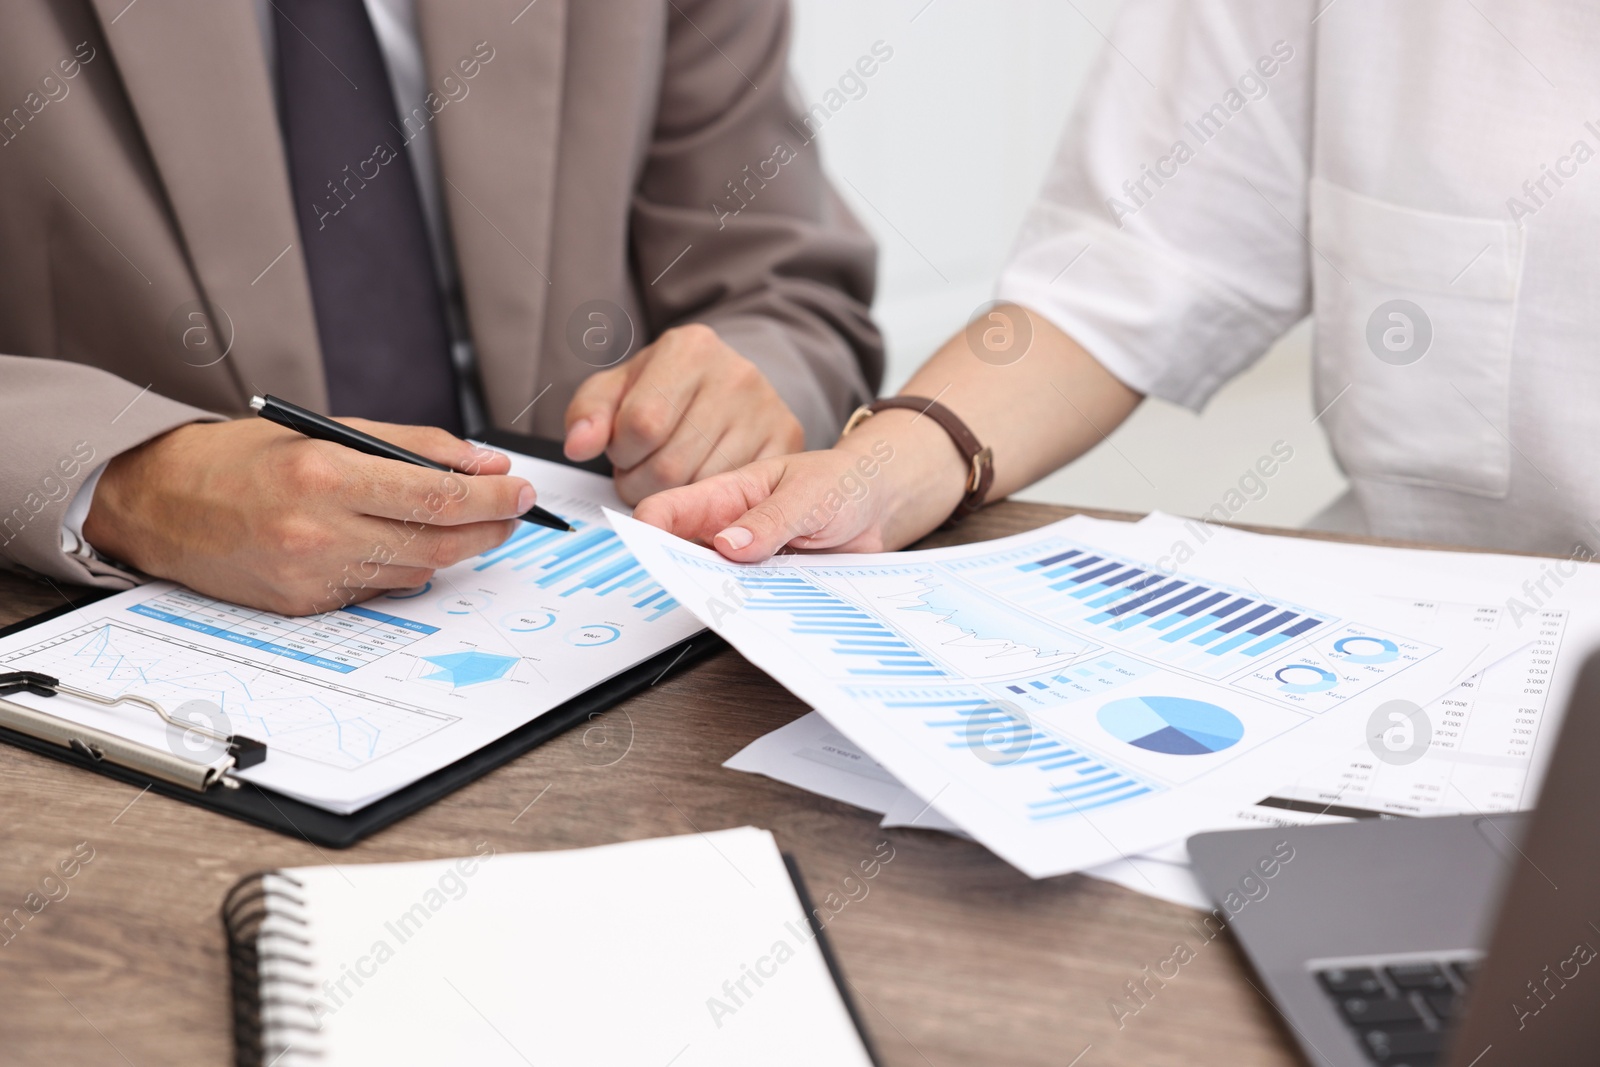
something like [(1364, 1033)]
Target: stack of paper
[(1092, 693)]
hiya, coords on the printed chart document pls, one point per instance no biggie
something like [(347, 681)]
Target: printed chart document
[(681, 950), (810, 754), (1487, 737), (1487, 740), (356, 703), (1064, 703), (1483, 745)]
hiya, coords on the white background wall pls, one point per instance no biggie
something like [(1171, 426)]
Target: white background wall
[(940, 158)]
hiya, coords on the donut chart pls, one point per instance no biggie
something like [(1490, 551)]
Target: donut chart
[(528, 622), (1363, 649), (1305, 678), (465, 604), (1174, 726), (594, 636)]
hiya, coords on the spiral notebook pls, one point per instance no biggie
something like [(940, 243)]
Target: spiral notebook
[(692, 951)]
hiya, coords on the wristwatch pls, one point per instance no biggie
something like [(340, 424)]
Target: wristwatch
[(979, 458)]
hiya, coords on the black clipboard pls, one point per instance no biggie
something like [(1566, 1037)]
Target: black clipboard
[(264, 808)]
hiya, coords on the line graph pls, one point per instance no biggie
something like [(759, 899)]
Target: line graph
[(958, 626), (317, 720), (894, 621)]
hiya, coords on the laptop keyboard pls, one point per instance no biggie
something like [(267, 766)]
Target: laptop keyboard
[(1401, 1012)]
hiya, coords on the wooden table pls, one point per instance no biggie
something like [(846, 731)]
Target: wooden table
[(953, 956)]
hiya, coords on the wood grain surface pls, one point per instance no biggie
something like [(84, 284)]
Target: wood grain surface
[(953, 956)]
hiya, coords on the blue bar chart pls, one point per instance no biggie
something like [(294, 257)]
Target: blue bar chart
[(1083, 679), (590, 558), (861, 646), (1066, 780), (1202, 627), (343, 640)]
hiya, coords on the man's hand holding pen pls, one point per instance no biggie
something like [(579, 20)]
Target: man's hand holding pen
[(253, 513)]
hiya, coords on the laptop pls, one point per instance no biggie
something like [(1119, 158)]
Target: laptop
[(1467, 941)]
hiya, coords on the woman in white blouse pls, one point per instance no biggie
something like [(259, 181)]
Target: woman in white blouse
[(1421, 178)]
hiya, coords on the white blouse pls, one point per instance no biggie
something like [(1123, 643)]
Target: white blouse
[(1421, 178)]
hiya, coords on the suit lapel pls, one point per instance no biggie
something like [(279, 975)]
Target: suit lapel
[(196, 75), (497, 160)]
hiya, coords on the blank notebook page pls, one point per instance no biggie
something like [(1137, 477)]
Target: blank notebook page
[(687, 951)]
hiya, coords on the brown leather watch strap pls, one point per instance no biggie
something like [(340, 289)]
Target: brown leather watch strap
[(980, 460)]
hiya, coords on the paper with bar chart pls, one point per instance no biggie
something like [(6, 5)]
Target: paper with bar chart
[(1064, 703), (356, 703), (1488, 737)]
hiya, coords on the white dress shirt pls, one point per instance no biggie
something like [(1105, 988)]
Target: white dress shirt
[(1421, 178)]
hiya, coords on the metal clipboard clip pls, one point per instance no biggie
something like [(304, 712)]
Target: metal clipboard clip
[(98, 745)]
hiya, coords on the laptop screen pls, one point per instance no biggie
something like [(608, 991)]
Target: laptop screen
[(1536, 1000)]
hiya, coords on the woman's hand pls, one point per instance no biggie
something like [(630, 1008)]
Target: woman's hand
[(898, 475), (879, 489)]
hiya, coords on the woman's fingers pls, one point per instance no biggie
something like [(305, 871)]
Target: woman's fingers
[(698, 512), (750, 514)]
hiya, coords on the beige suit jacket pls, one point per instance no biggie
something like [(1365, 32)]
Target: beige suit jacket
[(619, 150)]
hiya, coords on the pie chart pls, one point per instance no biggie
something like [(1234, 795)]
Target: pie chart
[(1176, 726)]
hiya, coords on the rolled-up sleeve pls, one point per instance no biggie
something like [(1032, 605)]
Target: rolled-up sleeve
[(1169, 238)]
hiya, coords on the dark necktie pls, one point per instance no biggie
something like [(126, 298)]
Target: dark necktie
[(385, 345)]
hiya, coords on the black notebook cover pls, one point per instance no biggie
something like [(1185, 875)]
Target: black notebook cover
[(274, 811)]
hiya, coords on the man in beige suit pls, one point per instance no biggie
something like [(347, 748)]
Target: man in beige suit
[(529, 194)]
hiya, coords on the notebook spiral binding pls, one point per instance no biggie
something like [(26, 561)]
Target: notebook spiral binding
[(268, 971)]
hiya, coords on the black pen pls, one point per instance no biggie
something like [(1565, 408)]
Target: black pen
[(322, 428)]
